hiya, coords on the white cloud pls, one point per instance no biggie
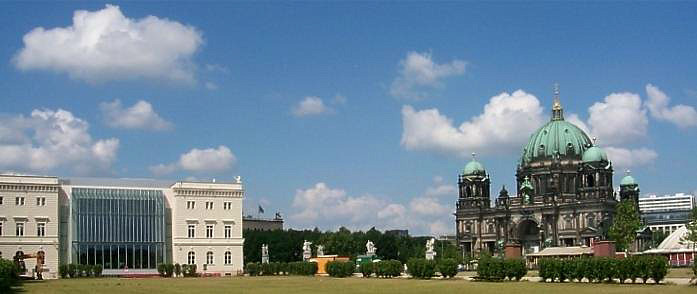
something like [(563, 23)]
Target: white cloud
[(418, 73), (106, 45), (333, 207), (139, 116), (50, 139), (618, 119), (505, 124), (681, 115), (211, 86), (199, 160), (309, 106), (624, 157)]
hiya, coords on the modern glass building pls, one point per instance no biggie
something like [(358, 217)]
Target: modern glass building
[(118, 228)]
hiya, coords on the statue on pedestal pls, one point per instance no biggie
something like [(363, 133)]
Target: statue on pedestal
[(307, 251), (320, 250), (430, 253), (264, 253), (370, 248)]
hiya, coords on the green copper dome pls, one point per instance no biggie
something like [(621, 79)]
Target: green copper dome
[(474, 168), (557, 136), (594, 154), (628, 180)]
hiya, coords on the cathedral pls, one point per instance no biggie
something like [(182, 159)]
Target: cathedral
[(564, 194)]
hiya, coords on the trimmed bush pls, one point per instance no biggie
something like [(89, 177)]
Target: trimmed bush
[(252, 269), (421, 268), (340, 269), (514, 269), (266, 269), (97, 270), (177, 269), (9, 275), (63, 271), (490, 268), (72, 270), (366, 269), (388, 268), (161, 269), (658, 266), (302, 268), (189, 270), (447, 267)]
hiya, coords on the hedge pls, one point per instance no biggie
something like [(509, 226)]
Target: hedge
[(9, 275), (252, 269), (497, 269), (447, 267), (600, 269), (340, 269), (388, 268), (302, 268), (367, 269), (166, 269), (421, 268), (189, 270)]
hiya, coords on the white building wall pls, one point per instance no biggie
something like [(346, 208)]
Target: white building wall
[(201, 216), (31, 215)]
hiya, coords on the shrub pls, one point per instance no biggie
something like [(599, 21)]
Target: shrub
[(192, 271), (447, 267), (694, 268), (514, 269), (63, 271), (658, 266), (161, 269), (169, 270), (366, 269), (421, 268), (72, 270), (283, 268), (177, 269), (642, 265), (625, 267), (340, 269), (9, 275), (97, 270), (491, 268), (302, 268), (252, 269), (390, 268), (266, 269), (579, 268)]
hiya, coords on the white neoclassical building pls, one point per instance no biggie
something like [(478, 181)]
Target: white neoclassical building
[(128, 226)]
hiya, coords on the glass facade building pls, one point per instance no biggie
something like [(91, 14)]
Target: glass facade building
[(118, 228)]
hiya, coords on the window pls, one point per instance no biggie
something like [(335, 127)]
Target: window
[(41, 229), (209, 257), (228, 232), (1, 228), (209, 231), (1, 198), (227, 205), (209, 205), (40, 201), (19, 230), (191, 258), (19, 201), (190, 204), (191, 231), (228, 257)]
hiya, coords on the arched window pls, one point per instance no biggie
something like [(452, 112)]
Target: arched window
[(191, 259), (209, 257), (228, 257), (591, 180)]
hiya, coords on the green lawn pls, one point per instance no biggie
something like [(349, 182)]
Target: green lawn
[(289, 285)]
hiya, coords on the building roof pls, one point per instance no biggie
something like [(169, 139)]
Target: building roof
[(594, 154), (628, 180), (673, 243), (556, 136), (474, 168), (563, 251), (116, 182)]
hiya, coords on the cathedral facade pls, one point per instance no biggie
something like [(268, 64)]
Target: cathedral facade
[(564, 194)]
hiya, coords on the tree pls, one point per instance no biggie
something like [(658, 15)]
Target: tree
[(625, 225), (691, 236)]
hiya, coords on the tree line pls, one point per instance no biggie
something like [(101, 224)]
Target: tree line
[(286, 245)]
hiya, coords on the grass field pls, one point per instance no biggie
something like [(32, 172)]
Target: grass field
[(290, 285)]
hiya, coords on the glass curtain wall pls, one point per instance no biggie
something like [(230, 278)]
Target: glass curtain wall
[(118, 228)]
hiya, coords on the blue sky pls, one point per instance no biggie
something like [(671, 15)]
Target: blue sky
[(343, 113)]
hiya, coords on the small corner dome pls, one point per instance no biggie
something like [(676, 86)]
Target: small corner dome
[(474, 168), (594, 154), (628, 181)]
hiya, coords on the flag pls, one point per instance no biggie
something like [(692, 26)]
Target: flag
[(261, 209)]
